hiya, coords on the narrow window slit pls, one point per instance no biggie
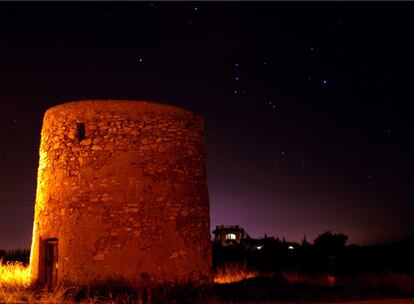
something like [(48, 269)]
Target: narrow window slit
[(81, 131)]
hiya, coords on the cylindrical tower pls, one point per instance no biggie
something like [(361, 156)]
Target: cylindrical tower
[(121, 193)]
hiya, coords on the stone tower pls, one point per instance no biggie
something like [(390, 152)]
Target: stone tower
[(121, 193)]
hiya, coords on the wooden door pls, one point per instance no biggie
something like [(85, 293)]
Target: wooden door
[(51, 263)]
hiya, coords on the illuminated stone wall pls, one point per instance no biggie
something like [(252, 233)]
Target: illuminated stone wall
[(129, 199)]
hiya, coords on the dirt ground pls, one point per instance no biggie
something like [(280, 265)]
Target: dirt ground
[(387, 301)]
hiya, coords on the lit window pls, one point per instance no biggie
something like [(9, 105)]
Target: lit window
[(230, 236)]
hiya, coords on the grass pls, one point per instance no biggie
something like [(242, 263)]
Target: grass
[(233, 282), (15, 285), (231, 273), (13, 275)]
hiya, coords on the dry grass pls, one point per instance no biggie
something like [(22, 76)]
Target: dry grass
[(231, 273), (394, 282), (315, 280), (14, 281), (388, 281), (15, 286), (13, 275)]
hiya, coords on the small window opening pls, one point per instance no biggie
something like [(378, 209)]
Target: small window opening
[(81, 131)]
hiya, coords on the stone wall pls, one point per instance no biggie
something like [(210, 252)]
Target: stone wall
[(129, 199)]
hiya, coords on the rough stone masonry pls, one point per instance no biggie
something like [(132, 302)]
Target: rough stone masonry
[(121, 193)]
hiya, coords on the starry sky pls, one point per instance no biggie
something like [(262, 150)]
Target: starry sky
[(308, 107)]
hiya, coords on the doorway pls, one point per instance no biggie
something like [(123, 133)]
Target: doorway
[(51, 263)]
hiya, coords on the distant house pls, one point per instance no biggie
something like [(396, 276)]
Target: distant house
[(229, 235)]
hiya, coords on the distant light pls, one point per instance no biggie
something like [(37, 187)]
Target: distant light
[(259, 247), (291, 247), (230, 236), (237, 78), (196, 8), (236, 65), (236, 92), (324, 81), (140, 60)]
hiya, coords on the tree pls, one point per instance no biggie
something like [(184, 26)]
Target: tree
[(330, 243)]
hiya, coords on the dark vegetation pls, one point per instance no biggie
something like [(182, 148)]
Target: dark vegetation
[(18, 255), (329, 254), (327, 269)]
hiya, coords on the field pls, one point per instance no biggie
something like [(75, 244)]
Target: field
[(233, 284)]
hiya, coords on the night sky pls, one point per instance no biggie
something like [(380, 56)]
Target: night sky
[(308, 107)]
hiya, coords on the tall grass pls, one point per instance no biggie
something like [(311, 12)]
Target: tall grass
[(14, 282), (15, 287), (314, 280), (14, 275), (232, 273)]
